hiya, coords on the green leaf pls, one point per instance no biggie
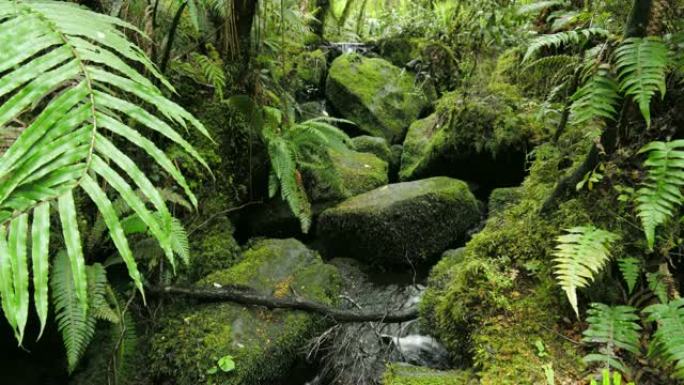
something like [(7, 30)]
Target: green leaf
[(40, 238), (226, 364), (72, 241)]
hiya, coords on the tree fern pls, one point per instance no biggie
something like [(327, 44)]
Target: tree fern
[(580, 254), (559, 39), (669, 335), (613, 327), (66, 74), (642, 65), (630, 268), (597, 98), (659, 196)]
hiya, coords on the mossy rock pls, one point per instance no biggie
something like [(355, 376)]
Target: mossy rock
[(311, 110), (263, 343), (382, 99), (212, 248), (374, 145), (503, 197), (402, 374), (312, 67), (400, 222), (480, 137), (399, 50), (349, 173)]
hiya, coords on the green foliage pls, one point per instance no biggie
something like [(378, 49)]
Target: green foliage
[(670, 333), (206, 69), (539, 6), (642, 65), (613, 327), (564, 38), (630, 268), (606, 378), (659, 197), (580, 254), (657, 285), (50, 46), (597, 98)]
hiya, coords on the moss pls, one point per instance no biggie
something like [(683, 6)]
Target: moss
[(212, 248), (263, 343), (400, 374), (380, 98), (350, 173), (312, 67), (466, 125), (501, 198), (399, 50), (405, 221), (373, 145)]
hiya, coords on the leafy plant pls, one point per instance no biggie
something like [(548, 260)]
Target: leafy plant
[(597, 98), (630, 268), (559, 39), (580, 254), (67, 74), (670, 333), (613, 327), (642, 64), (659, 196), (606, 378)]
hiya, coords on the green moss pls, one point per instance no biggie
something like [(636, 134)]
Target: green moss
[(501, 198), (381, 99), (264, 343), (400, 374), (413, 221), (349, 173), (312, 67), (212, 248), (399, 50), (493, 122), (374, 145)]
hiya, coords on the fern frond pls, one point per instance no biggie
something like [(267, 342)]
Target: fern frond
[(659, 196), (559, 39), (597, 98), (642, 64), (657, 285), (630, 268), (670, 333), (580, 254), (613, 327), (69, 73)]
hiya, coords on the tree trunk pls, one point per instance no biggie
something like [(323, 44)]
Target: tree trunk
[(318, 25), (245, 10)]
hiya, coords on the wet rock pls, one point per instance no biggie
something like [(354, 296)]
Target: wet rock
[(400, 223), (263, 343), (380, 98)]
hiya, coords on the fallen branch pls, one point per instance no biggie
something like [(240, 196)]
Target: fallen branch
[(246, 297)]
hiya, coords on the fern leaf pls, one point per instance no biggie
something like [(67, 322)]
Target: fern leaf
[(642, 65), (630, 268), (659, 196), (613, 327), (657, 285), (559, 39), (580, 254), (597, 98), (670, 333), (68, 72)]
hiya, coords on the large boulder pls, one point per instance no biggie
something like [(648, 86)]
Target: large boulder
[(400, 223), (480, 137), (263, 343), (380, 98), (373, 144)]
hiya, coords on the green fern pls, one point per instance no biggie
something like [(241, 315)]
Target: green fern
[(608, 379), (613, 327), (630, 268), (597, 98), (580, 254), (659, 196), (642, 65), (559, 39), (657, 285), (67, 73), (669, 335)]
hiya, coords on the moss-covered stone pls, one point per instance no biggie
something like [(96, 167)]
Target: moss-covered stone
[(400, 222), (374, 145), (399, 50), (212, 248), (501, 198), (312, 67), (478, 137), (349, 173), (263, 343), (380, 98), (310, 110), (402, 374)]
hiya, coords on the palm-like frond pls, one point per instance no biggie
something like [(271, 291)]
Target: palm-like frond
[(642, 64), (613, 327), (660, 195), (670, 333), (580, 254), (67, 73), (559, 39), (597, 98)]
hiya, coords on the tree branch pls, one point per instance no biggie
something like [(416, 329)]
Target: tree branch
[(250, 298)]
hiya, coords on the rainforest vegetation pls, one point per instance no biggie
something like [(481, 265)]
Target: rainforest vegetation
[(341, 192)]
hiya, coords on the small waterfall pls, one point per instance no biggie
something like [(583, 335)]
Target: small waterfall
[(420, 350)]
